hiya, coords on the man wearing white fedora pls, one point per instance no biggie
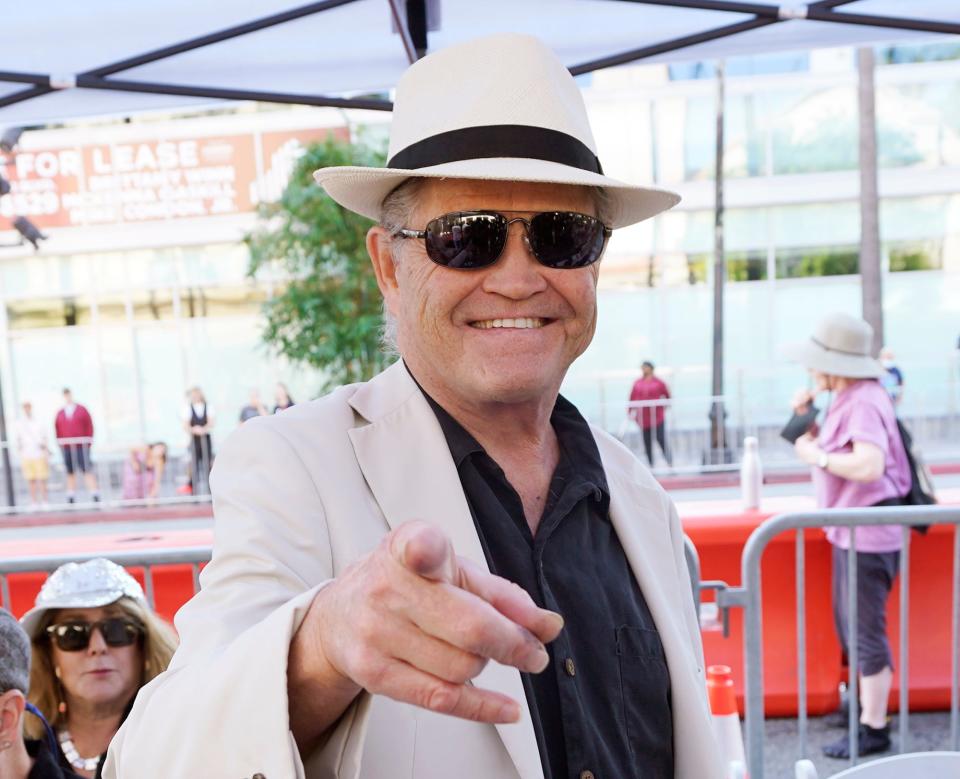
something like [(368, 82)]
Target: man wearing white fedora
[(445, 571)]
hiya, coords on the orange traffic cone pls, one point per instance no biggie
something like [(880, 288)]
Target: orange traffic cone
[(726, 719)]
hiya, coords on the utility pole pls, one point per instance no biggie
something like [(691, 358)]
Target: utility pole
[(719, 450), (871, 282), (5, 456)]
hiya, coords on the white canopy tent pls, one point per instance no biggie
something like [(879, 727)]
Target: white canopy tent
[(62, 59)]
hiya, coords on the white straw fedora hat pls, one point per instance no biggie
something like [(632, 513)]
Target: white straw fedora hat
[(841, 345), (502, 107), (97, 582)]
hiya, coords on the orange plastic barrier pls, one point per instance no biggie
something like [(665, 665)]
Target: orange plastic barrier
[(720, 530), (172, 584)]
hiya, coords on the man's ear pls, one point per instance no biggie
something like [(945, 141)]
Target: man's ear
[(380, 250), (11, 715)]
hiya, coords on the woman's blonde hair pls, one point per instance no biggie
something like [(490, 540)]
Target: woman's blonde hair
[(158, 645)]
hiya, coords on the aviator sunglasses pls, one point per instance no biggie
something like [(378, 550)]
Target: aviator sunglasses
[(74, 636), (468, 240)]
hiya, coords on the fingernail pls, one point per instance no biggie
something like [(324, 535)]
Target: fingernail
[(540, 661), (509, 712), (558, 619)]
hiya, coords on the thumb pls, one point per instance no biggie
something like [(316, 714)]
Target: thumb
[(426, 551)]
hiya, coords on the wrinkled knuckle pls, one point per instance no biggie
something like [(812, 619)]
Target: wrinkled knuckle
[(468, 666), (442, 698), (368, 669), (366, 628), (474, 635), (475, 666)]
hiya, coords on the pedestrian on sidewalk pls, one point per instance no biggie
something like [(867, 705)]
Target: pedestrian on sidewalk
[(859, 461), (34, 453), (198, 423), (254, 407), (74, 428), (647, 403)]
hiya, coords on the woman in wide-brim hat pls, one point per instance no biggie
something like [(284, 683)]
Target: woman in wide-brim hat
[(95, 643), (859, 461)]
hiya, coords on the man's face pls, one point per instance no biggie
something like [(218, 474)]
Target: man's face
[(27, 409), (445, 316), (67, 398)]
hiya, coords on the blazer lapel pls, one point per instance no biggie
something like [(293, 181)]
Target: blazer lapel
[(406, 462)]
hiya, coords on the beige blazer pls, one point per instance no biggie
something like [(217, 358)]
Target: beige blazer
[(299, 496)]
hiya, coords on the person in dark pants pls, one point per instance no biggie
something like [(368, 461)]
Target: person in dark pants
[(198, 422), (376, 547), (650, 418), (858, 460), (74, 429)]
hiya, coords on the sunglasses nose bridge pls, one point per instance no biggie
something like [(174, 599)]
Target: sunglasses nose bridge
[(97, 641), (526, 230)]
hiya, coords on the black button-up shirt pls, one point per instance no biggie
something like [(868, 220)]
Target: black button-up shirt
[(603, 704)]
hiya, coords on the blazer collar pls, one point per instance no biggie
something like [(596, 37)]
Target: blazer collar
[(405, 459)]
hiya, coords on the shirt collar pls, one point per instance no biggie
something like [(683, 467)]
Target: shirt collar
[(573, 432)]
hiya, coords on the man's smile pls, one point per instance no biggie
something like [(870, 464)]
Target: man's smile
[(517, 323)]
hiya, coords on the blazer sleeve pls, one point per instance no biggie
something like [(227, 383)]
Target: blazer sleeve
[(221, 707)]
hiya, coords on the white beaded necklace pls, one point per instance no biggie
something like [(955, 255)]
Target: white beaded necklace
[(73, 756)]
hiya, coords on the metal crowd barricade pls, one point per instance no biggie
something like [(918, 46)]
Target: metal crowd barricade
[(748, 597), (136, 558)]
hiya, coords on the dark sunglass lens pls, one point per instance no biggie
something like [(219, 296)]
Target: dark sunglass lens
[(564, 239), (72, 637), (118, 631), (465, 240)]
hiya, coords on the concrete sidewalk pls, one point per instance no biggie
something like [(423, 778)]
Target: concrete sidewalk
[(929, 731)]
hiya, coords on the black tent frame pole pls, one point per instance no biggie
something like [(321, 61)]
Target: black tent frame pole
[(414, 37)]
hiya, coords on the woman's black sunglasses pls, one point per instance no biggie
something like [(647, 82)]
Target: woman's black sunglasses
[(475, 239), (74, 636)]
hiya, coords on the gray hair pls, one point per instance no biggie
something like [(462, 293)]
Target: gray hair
[(14, 655), (396, 211)]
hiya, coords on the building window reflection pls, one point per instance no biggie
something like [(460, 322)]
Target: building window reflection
[(38, 313)]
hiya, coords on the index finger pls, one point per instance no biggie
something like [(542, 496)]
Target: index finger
[(511, 600)]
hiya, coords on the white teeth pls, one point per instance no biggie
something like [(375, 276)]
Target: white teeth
[(524, 323)]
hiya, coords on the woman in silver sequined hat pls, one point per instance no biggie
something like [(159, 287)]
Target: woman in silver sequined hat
[(96, 642)]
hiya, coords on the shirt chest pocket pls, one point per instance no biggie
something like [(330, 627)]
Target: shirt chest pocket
[(646, 701)]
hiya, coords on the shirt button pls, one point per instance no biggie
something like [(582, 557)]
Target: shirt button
[(586, 775), (571, 669)]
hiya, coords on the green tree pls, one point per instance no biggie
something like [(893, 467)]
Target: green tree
[(329, 313)]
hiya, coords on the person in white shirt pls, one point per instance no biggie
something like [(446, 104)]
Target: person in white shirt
[(34, 454)]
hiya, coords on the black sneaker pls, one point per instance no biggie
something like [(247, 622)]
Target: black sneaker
[(870, 741), (839, 718), (70, 499)]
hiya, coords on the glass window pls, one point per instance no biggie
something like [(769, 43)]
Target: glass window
[(814, 130), (746, 266), (162, 383), (48, 312), (121, 419), (112, 308), (216, 264), (151, 267), (152, 304), (197, 302), (46, 361), (796, 262), (915, 255)]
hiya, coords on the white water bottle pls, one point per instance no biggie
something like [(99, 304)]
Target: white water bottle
[(751, 474)]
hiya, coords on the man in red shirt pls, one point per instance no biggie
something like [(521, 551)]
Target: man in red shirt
[(74, 429), (650, 416)]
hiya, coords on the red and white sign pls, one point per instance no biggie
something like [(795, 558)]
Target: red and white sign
[(150, 180)]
